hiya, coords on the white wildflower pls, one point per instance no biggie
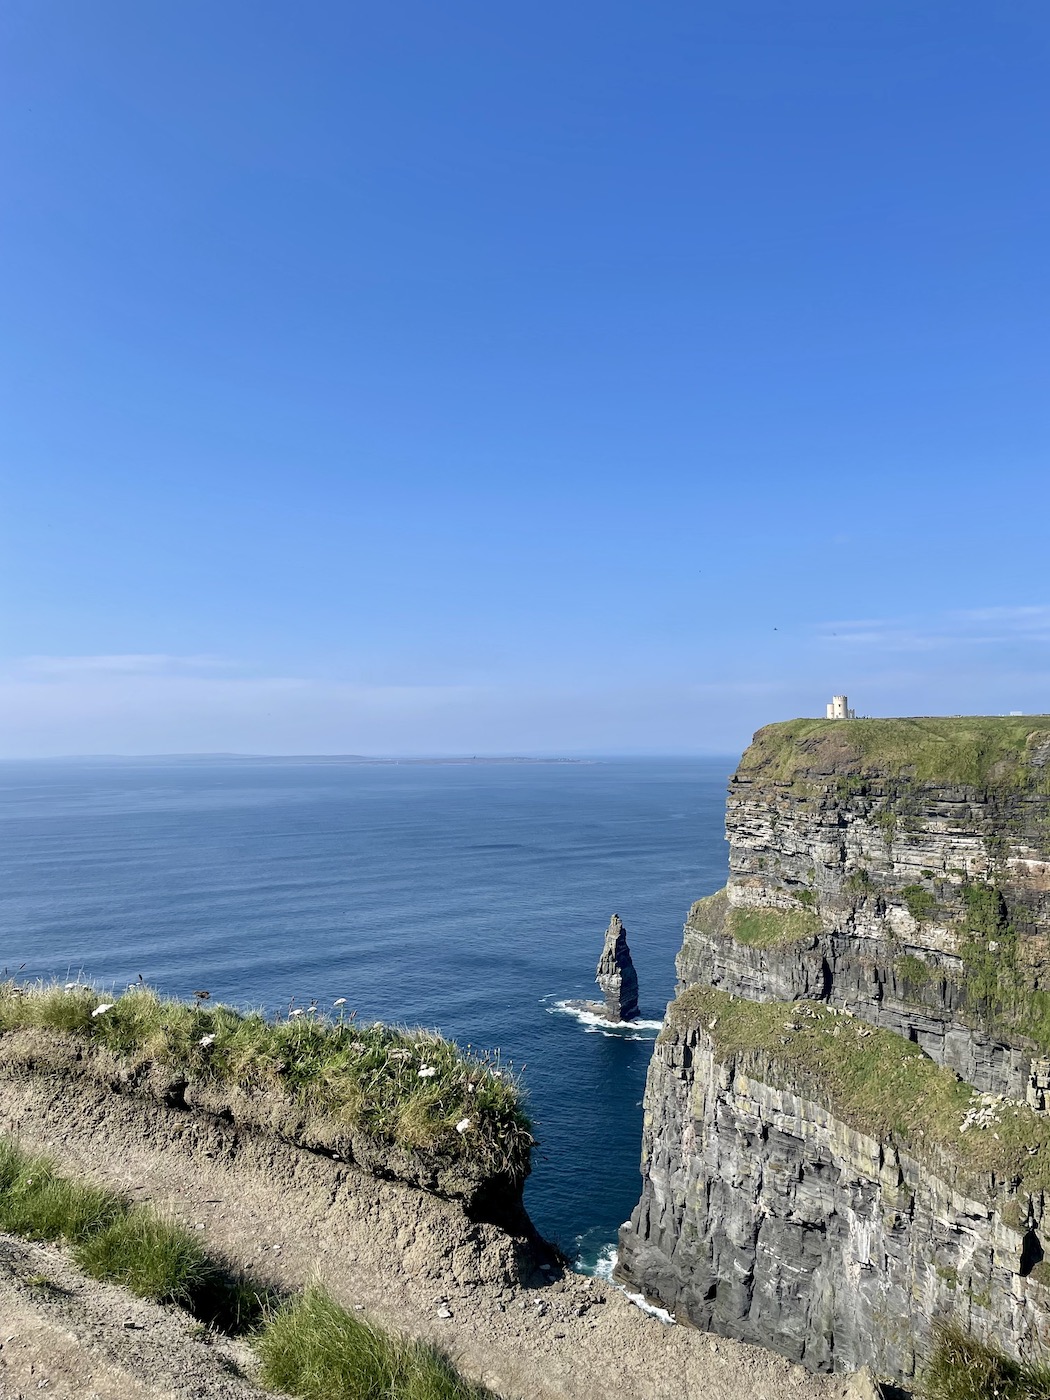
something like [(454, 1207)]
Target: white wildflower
[(462, 1125), (106, 1006), (297, 1012), (71, 985), (427, 1072), (207, 1040), (339, 1001)]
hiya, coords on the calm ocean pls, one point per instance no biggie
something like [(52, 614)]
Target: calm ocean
[(471, 898)]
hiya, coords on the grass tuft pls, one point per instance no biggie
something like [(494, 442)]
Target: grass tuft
[(315, 1349), (39, 1204), (961, 1368), (308, 1346), (154, 1258)]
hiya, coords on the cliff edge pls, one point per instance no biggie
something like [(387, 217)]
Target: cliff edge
[(846, 1137)]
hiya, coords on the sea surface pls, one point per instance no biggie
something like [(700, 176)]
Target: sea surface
[(467, 897)]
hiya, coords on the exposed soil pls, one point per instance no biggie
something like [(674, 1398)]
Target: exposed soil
[(412, 1261), (62, 1334)]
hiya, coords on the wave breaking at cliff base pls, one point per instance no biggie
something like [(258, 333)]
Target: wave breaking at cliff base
[(593, 1024), (603, 1269)]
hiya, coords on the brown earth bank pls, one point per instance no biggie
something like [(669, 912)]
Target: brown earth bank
[(413, 1261)]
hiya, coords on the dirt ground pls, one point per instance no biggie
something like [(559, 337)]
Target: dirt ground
[(62, 1334), (412, 1261)]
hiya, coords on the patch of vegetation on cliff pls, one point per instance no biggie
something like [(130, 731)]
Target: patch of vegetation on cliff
[(877, 1083), (411, 1088), (921, 903), (999, 993), (709, 914), (961, 1368), (970, 750), (770, 928), (757, 926), (909, 968)]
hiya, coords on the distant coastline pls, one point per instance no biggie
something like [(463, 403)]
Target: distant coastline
[(337, 758)]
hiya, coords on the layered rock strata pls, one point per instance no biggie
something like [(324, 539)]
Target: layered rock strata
[(889, 880), (616, 975)]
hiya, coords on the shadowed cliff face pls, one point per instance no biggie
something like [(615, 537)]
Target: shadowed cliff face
[(616, 975), (898, 872)]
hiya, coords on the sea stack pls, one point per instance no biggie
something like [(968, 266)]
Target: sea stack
[(616, 975)]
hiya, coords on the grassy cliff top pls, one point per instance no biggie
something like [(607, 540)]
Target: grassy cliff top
[(966, 749), (877, 1083), (411, 1088)]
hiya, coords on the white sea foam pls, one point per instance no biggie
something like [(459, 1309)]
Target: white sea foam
[(592, 1022), (603, 1269)]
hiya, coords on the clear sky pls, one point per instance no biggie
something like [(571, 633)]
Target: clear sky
[(401, 377)]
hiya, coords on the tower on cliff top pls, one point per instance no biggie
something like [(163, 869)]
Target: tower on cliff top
[(839, 708)]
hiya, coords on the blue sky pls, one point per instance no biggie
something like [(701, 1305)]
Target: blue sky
[(403, 378)]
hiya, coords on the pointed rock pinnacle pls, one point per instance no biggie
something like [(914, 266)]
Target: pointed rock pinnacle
[(616, 975)]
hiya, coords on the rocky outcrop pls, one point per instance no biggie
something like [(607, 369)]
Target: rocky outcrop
[(898, 867), (768, 1214), (616, 975), (889, 883)]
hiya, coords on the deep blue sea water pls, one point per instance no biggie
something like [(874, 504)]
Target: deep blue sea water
[(471, 898)]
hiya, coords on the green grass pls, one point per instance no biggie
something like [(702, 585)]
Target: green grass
[(979, 751), (316, 1349), (117, 1243), (37, 1202), (154, 1258), (308, 1346), (877, 1083), (412, 1088), (757, 927), (998, 985), (961, 1368), (922, 904), (770, 928), (909, 968)]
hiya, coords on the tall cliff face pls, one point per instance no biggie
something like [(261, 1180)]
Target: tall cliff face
[(865, 1002)]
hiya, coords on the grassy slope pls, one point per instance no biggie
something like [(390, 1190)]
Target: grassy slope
[(876, 1083), (967, 749), (758, 927), (412, 1088)]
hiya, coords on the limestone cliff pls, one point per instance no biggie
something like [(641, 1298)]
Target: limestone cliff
[(845, 1135), (616, 975)]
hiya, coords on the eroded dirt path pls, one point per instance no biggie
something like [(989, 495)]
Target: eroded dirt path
[(411, 1261), (62, 1334)]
